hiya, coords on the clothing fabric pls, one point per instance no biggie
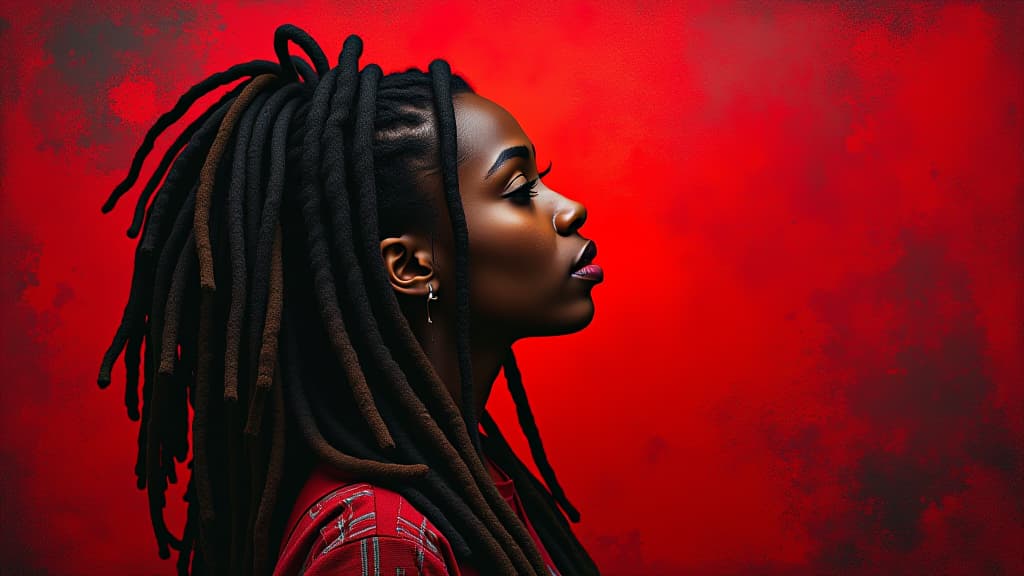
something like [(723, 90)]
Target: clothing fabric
[(338, 527)]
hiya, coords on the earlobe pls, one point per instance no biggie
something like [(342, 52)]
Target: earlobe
[(409, 267)]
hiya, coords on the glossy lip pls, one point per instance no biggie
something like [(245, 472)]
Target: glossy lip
[(590, 272), (586, 256)]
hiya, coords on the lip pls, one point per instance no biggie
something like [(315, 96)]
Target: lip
[(590, 272), (585, 257)]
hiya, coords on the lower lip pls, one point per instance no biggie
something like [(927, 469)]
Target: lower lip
[(591, 272)]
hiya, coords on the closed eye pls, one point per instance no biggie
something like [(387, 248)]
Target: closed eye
[(524, 193)]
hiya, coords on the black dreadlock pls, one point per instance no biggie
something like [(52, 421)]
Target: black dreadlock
[(221, 246)]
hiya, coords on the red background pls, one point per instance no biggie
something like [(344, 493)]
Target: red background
[(806, 356)]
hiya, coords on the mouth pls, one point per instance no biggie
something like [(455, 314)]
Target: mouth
[(584, 268)]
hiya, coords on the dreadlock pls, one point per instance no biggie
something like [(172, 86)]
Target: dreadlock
[(221, 246)]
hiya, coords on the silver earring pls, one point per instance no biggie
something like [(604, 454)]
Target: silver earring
[(430, 296)]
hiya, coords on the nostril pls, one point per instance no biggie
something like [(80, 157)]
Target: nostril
[(570, 220)]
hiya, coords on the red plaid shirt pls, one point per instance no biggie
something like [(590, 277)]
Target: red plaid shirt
[(339, 527)]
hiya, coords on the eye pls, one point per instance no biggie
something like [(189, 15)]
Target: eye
[(524, 193)]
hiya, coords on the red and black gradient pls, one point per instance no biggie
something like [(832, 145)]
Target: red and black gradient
[(806, 357)]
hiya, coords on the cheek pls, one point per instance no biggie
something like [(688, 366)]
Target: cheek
[(512, 261)]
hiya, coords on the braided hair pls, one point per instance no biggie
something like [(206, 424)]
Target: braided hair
[(285, 186)]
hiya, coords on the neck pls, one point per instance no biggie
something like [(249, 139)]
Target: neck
[(487, 353)]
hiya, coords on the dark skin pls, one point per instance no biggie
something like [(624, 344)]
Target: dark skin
[(522, 250)]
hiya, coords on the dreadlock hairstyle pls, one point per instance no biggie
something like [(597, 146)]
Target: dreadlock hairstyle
[(286, 185)]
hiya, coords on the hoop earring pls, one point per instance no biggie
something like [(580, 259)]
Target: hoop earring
[(430, 296)]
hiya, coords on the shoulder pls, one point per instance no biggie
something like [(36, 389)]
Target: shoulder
[(362, 509), (360, 526)]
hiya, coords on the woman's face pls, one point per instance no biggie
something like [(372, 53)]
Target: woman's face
[(523, 245)]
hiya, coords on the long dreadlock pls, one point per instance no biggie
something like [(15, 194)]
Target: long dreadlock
[(222, 243)]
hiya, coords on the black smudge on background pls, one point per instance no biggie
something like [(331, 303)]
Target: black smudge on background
[(924, 382), (24, 532), (89, 52)]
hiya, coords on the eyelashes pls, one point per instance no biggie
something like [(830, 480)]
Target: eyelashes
[(546, 170), (524, 193)]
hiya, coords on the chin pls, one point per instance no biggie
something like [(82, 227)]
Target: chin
[(573, 319)]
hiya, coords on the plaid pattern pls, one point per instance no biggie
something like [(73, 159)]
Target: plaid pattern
[(340, 528), (363, 529)]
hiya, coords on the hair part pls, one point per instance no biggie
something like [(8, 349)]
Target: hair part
[(406, 151)]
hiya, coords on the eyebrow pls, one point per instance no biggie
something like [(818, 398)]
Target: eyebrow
[(508, 153)]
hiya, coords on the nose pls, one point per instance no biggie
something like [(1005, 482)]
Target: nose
[(569, 216)]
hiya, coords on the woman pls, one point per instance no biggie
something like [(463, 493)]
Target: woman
[(332, 274)]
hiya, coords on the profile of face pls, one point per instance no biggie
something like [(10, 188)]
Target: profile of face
[(530, 271)]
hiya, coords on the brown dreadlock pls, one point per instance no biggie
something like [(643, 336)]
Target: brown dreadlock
[(332, 372)]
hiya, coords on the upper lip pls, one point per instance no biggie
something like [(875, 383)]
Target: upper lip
[(586, 256)]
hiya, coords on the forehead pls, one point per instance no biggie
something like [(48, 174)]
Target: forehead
[(484, 128)]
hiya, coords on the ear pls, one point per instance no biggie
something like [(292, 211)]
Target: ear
[(408, 263)]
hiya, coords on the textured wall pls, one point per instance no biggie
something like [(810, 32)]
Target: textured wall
[(806, 357)]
